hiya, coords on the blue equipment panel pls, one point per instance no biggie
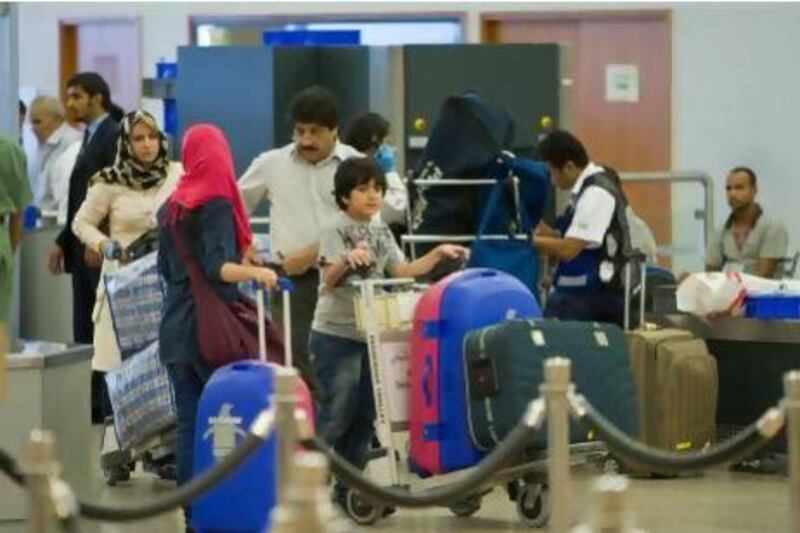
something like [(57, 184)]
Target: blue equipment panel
[(312, 37)]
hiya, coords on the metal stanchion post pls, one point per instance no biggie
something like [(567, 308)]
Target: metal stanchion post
[(554, 389), (610, 510), (285, 421), (791, 388), (39, 467), (306, 506)]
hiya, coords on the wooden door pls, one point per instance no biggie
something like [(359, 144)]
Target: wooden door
[(631, 136)]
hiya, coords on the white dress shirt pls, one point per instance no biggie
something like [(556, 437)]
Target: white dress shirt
[(300, 194), (60, 174), (46, 190)]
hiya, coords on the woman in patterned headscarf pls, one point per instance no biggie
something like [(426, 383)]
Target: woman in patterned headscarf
[(120, 207)]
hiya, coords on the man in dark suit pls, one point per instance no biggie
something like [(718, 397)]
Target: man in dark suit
[(89, 101)]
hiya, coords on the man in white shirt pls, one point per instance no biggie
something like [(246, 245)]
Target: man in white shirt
[(55, 136), (592, 240), (297, 180)]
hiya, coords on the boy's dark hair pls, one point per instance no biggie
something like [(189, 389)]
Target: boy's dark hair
[(748, 171), (92, 83), (366, 131), (315, 105), (354, 172), (560, 146)]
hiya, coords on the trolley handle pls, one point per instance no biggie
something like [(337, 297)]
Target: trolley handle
[(383, 282)]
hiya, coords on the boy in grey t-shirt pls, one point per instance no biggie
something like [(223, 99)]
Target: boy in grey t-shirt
[(357, 246)]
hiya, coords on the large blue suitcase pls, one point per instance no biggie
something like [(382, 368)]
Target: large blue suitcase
[(231, 400), (438, 415)]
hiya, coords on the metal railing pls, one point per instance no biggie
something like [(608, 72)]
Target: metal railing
[(701, 178)]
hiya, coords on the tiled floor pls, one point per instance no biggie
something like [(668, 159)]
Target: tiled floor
[(717, 502)]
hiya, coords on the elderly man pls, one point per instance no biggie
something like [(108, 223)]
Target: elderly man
[(55, 136)]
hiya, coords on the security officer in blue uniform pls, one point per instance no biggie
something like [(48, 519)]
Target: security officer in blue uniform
[(591, 239)]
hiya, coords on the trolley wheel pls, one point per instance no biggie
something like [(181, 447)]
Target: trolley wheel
[(361, 511), (466, 507), (167, 472), (533, 505), (116, 474), (611, 466)]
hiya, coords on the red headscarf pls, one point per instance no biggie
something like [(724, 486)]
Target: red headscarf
[(208, 174)]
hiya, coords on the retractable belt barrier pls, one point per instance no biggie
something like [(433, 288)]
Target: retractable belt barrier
[(53, 492)]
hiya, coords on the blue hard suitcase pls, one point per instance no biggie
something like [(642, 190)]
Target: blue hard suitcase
[(231, 400), (464, 301)]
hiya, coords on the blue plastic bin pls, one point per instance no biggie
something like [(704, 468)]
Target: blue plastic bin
[(772, 306), (166, 70)]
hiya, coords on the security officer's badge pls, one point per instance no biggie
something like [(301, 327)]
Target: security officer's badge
[(223, 430), (606, 271)]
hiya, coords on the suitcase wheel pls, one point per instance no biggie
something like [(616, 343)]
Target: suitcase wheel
[(533, 504), (361, 511), (116, 474), (466, 507)]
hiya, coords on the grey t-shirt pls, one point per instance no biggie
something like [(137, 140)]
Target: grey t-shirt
[(767, 240), (335, 313)]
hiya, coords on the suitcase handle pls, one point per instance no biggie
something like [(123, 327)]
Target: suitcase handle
[(629, 290), (285, 285), (427, 385)]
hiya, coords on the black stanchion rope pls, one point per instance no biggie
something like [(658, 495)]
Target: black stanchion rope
[(742, 444), (172, 500), (441, 496)]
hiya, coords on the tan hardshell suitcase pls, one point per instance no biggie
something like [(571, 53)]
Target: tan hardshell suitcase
[(676, 382)]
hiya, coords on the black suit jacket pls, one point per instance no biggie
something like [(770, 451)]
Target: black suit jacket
[(99, 152)]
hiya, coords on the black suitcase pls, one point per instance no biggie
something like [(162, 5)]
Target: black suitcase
[(504, 368)]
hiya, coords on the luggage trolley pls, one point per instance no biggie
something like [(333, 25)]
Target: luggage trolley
[(384, 311)]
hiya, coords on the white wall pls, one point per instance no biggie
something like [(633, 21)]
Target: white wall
[(735, 75), (735, 100), (165, 26)]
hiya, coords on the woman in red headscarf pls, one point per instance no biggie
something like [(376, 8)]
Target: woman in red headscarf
[(206, 215)]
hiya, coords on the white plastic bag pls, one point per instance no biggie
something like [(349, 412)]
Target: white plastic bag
[(711, 292)]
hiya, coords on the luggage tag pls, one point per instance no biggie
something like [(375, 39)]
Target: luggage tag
[(482, 377), (482, 374)]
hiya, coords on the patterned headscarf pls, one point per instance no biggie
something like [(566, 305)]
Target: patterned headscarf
[(129, 172)]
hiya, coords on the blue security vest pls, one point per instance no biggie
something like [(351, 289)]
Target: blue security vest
[(601, 267)]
